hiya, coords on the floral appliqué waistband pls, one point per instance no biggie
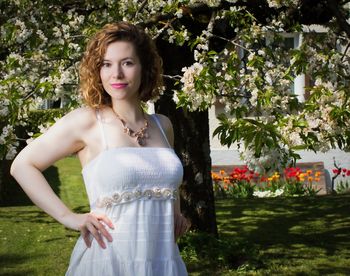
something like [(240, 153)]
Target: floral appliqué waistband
[(127, 196)]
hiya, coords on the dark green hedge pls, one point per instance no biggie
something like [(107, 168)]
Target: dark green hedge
[(10, 192), (41, 117), (35, 119)]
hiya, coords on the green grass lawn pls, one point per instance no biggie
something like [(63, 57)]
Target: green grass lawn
[(280, 236)]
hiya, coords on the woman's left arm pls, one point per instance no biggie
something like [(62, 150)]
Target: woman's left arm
[(181, 224)]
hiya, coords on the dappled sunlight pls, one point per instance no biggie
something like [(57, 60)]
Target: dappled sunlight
[(302, 233)]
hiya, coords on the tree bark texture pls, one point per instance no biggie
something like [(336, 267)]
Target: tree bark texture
[(192, 146), (191, 131)]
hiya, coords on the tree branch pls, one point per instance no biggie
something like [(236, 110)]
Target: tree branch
[(345, 51), (232, 42), (166, 25), (175, 77), (335, 174), (143, 5), (191, 10), (336, 9), (344, 2)]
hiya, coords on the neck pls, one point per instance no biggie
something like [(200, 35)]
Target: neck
[(130, 117), (130, 112)]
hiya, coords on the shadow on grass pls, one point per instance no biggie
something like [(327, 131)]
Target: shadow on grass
[(33, 216), (9, 265), (13, 195), (326, 270), (23, 215), (288, 229), (81, 209), (207, 255)]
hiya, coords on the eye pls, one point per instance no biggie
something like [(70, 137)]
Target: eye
[(128, 63), (106, 64)]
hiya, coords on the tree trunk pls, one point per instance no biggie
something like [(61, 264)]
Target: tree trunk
[(191, 131)]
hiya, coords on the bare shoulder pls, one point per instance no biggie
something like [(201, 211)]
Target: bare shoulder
[(76, 122), (81, 118), (165, 122), (65, 137), (72, 129), (167, 126)]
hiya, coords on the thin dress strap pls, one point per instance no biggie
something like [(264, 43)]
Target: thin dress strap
[(155, 118), (100, 123)]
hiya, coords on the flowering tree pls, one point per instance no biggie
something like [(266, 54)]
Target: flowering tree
[(231, 52), (252, 76)]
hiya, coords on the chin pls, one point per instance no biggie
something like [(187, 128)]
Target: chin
[(124, 97)]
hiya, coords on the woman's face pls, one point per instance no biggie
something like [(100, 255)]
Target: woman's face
[(121, 71)]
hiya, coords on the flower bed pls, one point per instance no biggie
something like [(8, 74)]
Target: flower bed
[(241, 182), (341, 177)]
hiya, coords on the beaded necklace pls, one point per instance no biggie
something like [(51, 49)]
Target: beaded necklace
[(140, 135)]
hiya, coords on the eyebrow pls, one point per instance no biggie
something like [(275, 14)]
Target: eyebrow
[(121, 59)]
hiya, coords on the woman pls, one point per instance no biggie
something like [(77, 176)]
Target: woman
[(130, 170)]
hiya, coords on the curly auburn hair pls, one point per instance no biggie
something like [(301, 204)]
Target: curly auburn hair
[(89, 71)]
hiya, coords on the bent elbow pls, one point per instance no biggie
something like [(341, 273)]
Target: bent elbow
[(15, 167)]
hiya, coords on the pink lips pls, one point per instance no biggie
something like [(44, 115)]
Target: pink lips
[(119, 85)]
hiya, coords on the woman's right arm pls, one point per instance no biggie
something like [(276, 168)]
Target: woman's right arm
[(63, 138)]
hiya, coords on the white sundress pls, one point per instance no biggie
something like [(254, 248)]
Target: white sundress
[(136, 188)]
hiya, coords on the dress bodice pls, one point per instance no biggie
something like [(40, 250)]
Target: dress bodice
[(132, 172)]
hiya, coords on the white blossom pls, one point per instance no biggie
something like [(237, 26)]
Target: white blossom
[(41, 35), (57, 32), (11, 151), (268, 193), (179, 13)]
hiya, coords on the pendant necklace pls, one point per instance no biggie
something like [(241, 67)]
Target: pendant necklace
[(140, 135)]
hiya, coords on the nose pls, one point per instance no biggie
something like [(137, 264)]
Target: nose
[(118, 72)]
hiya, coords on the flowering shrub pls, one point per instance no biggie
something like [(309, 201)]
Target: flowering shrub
[(343, 185), (242, 182), (251, 73)]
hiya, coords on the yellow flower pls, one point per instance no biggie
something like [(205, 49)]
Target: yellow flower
[(215, 176)]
